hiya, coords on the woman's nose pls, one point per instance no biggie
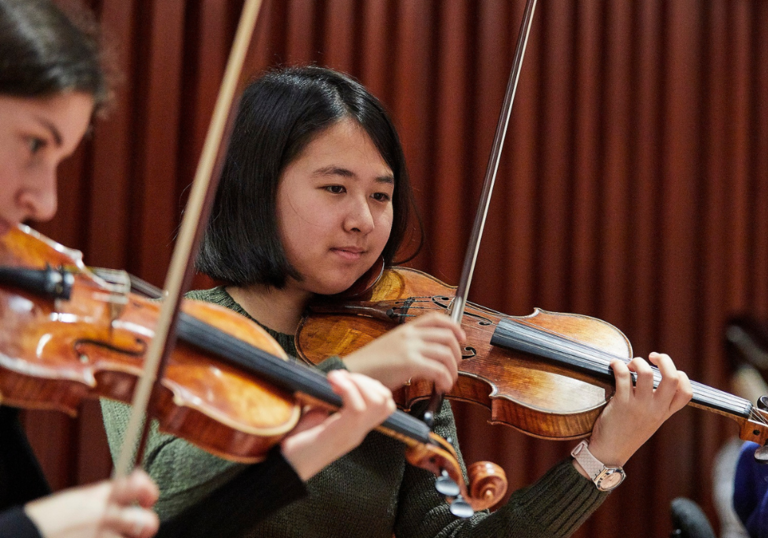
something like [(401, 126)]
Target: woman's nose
[(360, 218), (37, 199)]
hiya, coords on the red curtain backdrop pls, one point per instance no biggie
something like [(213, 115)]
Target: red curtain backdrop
[(633, 185)]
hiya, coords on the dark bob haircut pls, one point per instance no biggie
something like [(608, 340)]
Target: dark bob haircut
[(44, 52), (280, 113)]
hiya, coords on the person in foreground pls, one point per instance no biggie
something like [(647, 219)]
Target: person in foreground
[(52, 82), (314, 191)]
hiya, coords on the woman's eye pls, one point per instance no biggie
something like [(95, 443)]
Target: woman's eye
[(335, 189), (35, 145), (382, 197)]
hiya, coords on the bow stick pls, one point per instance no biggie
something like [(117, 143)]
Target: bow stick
[(470, 258), (195, 216)]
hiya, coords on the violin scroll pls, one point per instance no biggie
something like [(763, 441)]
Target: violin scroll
[(487, 481)]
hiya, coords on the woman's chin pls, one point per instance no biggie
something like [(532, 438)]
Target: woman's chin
[(333, 290), (335, 286)]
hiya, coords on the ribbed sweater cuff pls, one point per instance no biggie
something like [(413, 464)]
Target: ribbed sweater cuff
[(562, 499)]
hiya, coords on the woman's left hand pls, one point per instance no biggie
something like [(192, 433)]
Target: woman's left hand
[(636, 411), (320, 439)]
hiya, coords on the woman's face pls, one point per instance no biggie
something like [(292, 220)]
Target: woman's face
[(36, 134), (334, 208)]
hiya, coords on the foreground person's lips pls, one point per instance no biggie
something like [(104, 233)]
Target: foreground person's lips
[(350, 253)]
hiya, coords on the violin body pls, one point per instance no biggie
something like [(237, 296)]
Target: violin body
[(228, 387), (546, 374), (54, 353), (534, 396)]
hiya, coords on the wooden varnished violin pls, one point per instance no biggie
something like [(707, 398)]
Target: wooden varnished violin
[(228, 387), (546, 374)]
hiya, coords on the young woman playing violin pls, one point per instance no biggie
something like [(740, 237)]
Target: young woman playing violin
[(313, 192), (52, 82)]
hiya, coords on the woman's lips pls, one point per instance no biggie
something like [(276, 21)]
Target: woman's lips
[(348, 253)]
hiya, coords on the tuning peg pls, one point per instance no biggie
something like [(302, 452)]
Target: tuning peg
[(446, 486), (429, 419), (762, 403), (461, 508)]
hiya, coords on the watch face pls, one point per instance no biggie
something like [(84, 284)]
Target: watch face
[(609, 479)]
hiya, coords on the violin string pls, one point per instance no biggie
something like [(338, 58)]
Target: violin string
[(716, 398), (602, 358), (292, 375), (597, 356), (759, 417), (714, 395)]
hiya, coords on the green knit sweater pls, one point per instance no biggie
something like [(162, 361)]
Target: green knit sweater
[(371, 492)]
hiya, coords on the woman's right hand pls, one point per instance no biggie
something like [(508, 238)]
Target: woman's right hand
[(319, 439), (426, 348), (112, 508)]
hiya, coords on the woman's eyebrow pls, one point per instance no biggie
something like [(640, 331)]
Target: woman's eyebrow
[(333, 170)]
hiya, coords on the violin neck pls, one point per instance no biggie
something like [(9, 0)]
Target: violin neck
[(581, 358), (288, 375)]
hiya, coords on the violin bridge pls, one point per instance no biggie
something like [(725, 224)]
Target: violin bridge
[(118, 285)]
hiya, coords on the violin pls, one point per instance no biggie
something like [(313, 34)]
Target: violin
[(69, 333), (547, 374)]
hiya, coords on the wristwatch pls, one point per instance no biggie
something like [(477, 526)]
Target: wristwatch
[(605, 478)]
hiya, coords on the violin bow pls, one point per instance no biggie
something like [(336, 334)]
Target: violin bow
[(470, 258), (196, 214)]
